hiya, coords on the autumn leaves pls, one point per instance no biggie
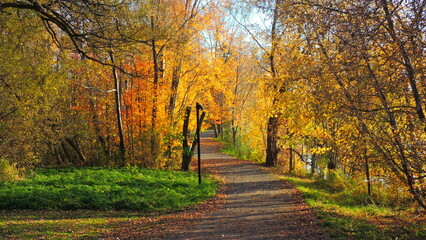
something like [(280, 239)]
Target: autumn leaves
[(333, 85), (352, 75)]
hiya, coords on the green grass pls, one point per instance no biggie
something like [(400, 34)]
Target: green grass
[(347, 217), (85, 203), (105, 189)]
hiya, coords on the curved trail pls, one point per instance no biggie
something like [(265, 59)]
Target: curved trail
[(257, 205)]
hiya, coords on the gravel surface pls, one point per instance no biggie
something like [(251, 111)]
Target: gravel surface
[(256, 204)]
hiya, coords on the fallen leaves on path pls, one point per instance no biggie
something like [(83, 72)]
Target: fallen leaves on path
[(292, 218)]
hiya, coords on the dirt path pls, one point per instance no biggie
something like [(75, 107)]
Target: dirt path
[(257, 205)]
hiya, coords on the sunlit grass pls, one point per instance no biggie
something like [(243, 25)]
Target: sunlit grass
[(345, 220), (87, 203), (105, 189)]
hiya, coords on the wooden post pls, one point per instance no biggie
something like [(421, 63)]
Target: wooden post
[(198, 141), (291, 165)]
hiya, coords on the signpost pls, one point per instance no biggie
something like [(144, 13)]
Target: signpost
[(199, 107)]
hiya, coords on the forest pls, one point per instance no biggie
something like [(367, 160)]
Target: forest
[(330, 90)]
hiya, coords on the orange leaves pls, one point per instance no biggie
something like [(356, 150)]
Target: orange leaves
[(138, 66)]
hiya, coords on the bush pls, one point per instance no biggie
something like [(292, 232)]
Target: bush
[(241, 149), (8, 172), (344, 209), (352, 191)]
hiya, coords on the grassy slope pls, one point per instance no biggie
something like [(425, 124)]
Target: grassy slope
[(344, 220), (102, 192)]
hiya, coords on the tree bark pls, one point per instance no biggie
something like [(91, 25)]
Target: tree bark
[(186, 156), (77, 150), (215, 130), (367, 173), (313, 164), (174, 87), (67, 153), (272, 149), (186, 162), (122, 157), (291, 159), (234, 131), (155, 91)]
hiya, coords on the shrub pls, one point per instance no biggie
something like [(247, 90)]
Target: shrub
[(241, 149), (352, 190), (8, 172)]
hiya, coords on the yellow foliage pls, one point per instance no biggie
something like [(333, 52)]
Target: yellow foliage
[(8, 172)]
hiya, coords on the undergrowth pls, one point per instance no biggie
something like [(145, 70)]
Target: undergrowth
[(240, 149), (8, 172), (95, 188), (348, 212)]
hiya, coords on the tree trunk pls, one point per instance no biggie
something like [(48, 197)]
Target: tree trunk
[(122, 157), (234, 131), (313, 164), (215, 130), (367, 174), (77, 150), (174, 87), (186, 162), (219, 128), (272, 149), (66, 153), (186, 154), (57, 155), (155, 91)]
